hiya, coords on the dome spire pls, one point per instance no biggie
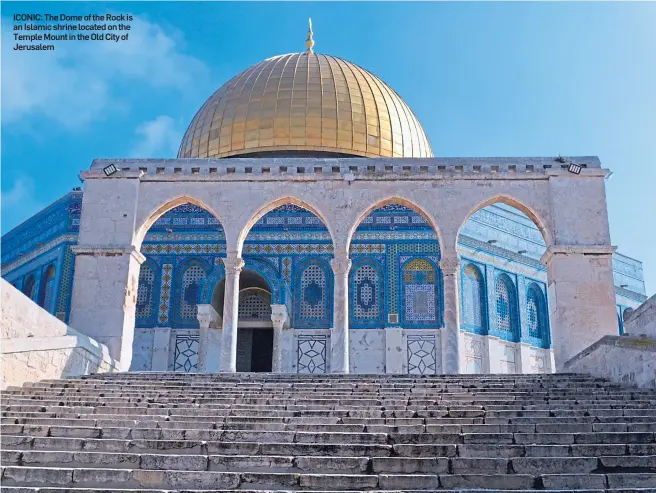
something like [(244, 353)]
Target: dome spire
[(309, 42)]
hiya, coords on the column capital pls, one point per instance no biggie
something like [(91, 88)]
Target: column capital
[(279, 317), (341, 264), (98, 251), (554, 250), (449, 265), (233, 265), (208, 317)]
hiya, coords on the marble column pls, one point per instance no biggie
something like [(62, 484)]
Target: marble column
[(450, 267), (280, 321), (339, 336), (581, 297), (209, 351), (104, 297), (233, 266)]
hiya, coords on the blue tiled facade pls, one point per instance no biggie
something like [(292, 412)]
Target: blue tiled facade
[(395, 279)]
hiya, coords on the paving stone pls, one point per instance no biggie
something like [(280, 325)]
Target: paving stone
[(410, 465), (554, 465)]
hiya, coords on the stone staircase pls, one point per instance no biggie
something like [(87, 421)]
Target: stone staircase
[(156, 432)]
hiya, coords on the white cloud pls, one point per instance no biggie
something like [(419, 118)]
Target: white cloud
[(78, 82), (19, 202), (158, 138)]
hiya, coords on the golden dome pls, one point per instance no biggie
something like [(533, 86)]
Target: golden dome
[(305, 102)]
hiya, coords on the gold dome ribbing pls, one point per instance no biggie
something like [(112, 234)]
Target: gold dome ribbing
[(305, 102)]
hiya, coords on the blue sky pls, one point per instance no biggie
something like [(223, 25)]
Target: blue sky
[(485, 79)]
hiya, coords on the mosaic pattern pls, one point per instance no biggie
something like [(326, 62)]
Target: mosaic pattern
[(312, 353), (421, 354), (313, 293), (190, 289), (186, 353), (182, 248), (145, 292), (366, 293), (419, 283), (254, 304), (65, 282), (473, 297), (165, 294), (535, 312)]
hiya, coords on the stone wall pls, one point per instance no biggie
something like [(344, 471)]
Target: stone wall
[(36, 345), (622, 359), (642, 320)]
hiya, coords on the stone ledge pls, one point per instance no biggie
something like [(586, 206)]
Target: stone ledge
[(349, 169), (576, 250)]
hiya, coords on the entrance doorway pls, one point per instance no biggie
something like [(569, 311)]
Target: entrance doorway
[(255, 329), (254, 350)]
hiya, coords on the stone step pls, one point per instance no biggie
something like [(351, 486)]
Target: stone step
[(120, 479), (190, 446), (345, 465)]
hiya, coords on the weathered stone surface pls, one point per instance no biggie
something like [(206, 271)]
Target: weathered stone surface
[(418, 461), (573, 481)]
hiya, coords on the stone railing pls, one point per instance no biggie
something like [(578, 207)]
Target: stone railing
[(36, 345), (622, 359), (641, 320)]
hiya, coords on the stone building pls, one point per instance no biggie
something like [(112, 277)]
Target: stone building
[(306, 227)]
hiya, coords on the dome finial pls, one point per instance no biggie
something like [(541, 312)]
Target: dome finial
[(309, 42)]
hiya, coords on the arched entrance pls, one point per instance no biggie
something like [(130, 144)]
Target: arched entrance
[(255, 329)]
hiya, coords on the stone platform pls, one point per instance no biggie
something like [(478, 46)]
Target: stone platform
[(156, 432)]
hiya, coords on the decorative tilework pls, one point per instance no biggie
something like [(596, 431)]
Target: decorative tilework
[(182, 248), (287, 269), (165, 293), (190, 291), (145, 292), (186, 353), (311, 356), (313, 293), (421, 354), (65, 282), (419, 287), (366, 293)]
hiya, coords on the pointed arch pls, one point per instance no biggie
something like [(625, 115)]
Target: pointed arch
[(155, 213), (395, 199), (539, 222), (270, 206)]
